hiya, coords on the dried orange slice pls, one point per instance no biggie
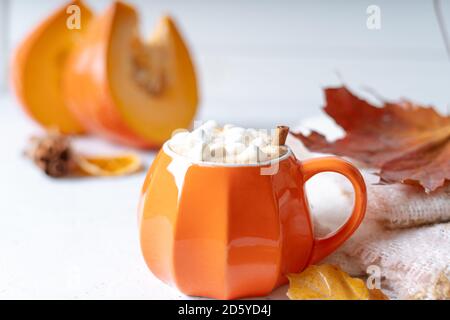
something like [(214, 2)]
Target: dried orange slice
[(109, 165), (377, 294), (329, 282)]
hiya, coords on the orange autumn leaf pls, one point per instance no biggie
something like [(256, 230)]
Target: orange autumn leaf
[(329, 282), (409, 143)]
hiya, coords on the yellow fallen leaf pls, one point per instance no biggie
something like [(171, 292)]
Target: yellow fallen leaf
[(377, 294), (109, 165), (329, 282)]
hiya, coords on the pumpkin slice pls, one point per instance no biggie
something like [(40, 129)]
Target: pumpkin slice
[(38, 65), (109, 166), (128, 90)]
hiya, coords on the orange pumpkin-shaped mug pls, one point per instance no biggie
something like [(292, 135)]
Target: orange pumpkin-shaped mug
[(230, 230)]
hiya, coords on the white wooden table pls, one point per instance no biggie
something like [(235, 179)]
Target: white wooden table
[(260, 64)]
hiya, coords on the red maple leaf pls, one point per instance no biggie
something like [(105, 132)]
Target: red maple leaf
[(408, 142)]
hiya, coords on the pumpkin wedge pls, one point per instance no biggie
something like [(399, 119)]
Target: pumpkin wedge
[(127, 90), (38, 65)]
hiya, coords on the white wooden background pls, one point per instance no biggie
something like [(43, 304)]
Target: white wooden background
[(260, 63), (257, 56)]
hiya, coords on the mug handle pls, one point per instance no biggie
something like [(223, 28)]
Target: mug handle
[(324, 246)]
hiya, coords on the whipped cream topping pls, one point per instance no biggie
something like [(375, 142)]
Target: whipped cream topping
[(227, 144)]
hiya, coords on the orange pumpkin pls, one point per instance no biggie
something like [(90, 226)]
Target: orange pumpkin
[(38, 65), (128, 91)]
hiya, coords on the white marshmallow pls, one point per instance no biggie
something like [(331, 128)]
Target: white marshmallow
[(273, 151), (209, 125), (252, 132), (252, 154), (199, 135), (260, 142), (180, 136), (227, 144), (228, 126), (234, 137), (236, 131), (195, 153), (214, 152), (235, 148)]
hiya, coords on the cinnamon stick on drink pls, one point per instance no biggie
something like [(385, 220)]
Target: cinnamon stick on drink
[(281, 133)]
